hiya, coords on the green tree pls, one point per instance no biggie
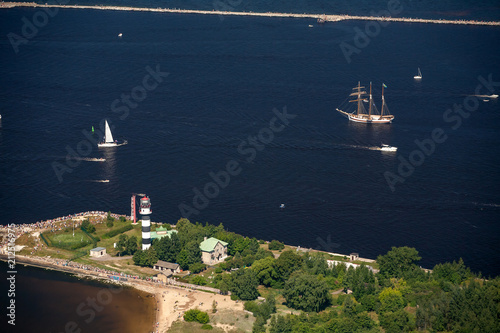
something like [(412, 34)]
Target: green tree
[(306, 292), (189, 255), (145, 258), (131, 246), (391, 300), (244, 284), (276, 245), (87, 226), (264, 270), (110, 220), (138, 258), (361, 281), (287, 263), (396, 322), (202, 317), (398, 262), (168, 248), (199, 280), (316, 264), (197, 267), (281, 324), (122, 243), (191, 315), (455, 272), (261, 254)]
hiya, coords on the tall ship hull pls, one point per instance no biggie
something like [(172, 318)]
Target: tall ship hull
[(360, 114), (370, 120)]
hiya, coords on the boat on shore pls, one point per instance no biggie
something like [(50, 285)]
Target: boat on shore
[(360, 114)]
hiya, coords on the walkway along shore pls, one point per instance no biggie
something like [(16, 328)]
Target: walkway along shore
[(328, 18)]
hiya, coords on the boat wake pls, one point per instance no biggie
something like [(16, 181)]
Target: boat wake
[(99, 181), (486, 96), (385, 149), (92, 159)]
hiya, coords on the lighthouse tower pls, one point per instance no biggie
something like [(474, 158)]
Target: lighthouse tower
[(146, 222)]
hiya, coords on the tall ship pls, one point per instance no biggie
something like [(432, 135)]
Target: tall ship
[(360, 114)]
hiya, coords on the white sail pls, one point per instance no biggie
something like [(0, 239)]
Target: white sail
[(419, 75), (108, 136)]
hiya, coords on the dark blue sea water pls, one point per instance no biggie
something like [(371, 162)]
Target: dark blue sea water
[(225, 78)]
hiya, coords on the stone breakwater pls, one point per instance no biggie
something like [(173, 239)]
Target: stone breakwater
[(326, 18)]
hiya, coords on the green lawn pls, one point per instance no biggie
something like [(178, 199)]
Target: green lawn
[(67, 238)]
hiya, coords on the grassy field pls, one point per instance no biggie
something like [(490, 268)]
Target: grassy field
[(68, 239)]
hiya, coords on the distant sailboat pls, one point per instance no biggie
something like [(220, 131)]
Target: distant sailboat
[(360, 115), (108, 139), (418, 76)]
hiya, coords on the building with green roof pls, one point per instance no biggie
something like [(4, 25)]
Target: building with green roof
[(213, 251), (161, 232)]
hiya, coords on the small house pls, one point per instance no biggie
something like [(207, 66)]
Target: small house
[(167, 268), (354, 256), (213, 251), (98, 252)]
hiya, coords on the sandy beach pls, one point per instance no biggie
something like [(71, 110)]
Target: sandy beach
[(172, 301)]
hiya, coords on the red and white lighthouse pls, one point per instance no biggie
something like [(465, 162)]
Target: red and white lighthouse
[(146, 222)]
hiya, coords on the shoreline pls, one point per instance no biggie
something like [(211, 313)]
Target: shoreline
[(171, 301), (326, 18)]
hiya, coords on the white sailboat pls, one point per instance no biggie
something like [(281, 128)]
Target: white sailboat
[(108, 139), (419, 75)]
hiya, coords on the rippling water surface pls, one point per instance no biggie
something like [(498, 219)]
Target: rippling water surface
[(225, 78)]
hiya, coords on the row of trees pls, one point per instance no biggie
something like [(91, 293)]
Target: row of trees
[(450, 298), (183, 247)]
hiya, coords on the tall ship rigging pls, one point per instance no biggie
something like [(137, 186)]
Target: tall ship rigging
[(360, 114)]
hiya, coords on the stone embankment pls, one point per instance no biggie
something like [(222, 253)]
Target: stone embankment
[(327, 18)]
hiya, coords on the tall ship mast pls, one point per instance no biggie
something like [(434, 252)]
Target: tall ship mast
[(360, 114)]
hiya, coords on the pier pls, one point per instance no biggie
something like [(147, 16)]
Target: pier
[(326, 18)]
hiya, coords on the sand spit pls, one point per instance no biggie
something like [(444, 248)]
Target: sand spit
[(327, 18)]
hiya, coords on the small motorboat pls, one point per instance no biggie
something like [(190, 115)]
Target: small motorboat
[(282, 206), (388, 148)]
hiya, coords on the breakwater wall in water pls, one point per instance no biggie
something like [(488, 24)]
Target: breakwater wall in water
[(326, 18)]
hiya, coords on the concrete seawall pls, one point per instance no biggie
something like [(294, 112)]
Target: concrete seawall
[(327, 18)]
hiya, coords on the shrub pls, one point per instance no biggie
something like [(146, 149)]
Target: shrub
[(252, 307), (197, 267), (276, 245), (196, 315), (202, 317), (87, 226), (218, 270), (206, 327), (199, 280), (190, 315)]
